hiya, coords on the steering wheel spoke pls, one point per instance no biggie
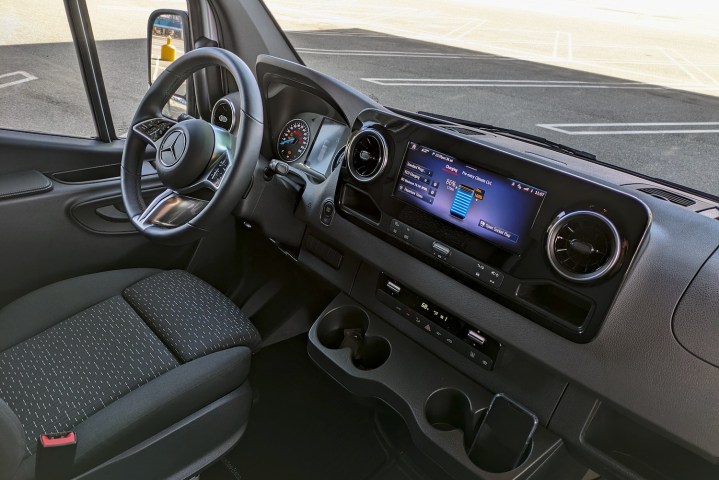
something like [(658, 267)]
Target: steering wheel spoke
[(153, 129), (212, 177), (170, 209)]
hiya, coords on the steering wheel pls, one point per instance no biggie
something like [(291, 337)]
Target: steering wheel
[(193, 156)]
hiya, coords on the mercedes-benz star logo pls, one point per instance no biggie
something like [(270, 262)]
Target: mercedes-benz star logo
[(172, 148)]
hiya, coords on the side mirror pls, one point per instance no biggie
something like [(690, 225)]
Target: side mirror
[(168, 38)]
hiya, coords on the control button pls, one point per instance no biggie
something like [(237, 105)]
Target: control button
[(395, 227), (480, 359), (494, 278), (427, 327), (480, 271), (406, 233), (438, 333), (218, 172), (328, 212)]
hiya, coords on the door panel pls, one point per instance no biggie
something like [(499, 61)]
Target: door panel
[(76, 227)]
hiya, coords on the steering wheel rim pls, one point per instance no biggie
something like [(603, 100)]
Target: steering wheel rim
[(240, 148)]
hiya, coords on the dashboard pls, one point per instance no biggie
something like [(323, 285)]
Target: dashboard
[(557, 281)]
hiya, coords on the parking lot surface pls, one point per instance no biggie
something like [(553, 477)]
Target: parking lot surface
[(636, 83)]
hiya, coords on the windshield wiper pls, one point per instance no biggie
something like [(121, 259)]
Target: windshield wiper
[(508, 132)]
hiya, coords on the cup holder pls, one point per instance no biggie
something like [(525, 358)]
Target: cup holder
[(449, 409), (346, 327)]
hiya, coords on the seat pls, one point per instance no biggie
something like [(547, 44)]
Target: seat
[(135, 362)]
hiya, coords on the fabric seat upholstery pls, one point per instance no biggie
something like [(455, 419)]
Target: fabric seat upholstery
[(117, 357)]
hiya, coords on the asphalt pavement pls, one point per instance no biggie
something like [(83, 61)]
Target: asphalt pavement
[(644, 98)]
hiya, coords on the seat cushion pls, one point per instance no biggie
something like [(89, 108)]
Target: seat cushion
[(120, 369), (190, 316), (46, 306), (58, 378)]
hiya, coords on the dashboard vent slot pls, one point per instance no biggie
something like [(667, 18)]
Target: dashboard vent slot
[(367, 155), (462, 130), (666, 195), (583, 246)]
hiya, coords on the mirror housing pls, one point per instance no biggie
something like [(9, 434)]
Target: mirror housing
[(168, 37), (173, 26)]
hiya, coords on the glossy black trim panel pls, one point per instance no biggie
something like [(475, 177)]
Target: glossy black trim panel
[(565, 193)]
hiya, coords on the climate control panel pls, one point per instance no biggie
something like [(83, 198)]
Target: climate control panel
[(436, 322)]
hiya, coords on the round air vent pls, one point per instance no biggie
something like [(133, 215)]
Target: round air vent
[(366, 155), (223, 114), (583, 246)]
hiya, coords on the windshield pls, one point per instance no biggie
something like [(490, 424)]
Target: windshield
[(634, 82)]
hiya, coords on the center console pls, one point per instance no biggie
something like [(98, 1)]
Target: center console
[(442, 408), (543, 242)]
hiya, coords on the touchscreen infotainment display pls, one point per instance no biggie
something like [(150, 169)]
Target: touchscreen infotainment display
[(501, 210)]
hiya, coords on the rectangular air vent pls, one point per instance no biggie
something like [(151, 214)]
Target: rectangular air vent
[(462, 130), (669, 196)]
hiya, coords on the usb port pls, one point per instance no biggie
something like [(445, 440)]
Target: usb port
[(476, 337), (393, 287)]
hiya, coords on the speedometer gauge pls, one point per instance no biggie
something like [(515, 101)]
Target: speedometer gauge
[(294, 140)]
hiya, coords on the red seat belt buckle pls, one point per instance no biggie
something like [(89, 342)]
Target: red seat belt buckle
[(55, 456), (63, 439)]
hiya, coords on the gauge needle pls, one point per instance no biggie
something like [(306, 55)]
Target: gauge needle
[(288, 141)]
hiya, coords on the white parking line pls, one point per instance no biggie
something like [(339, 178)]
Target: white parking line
[(607, 128), (475, 82), (464, 29), (26, 78), (389, 53), (466, 25), (479, 23), (695, 66), (340, 34), (678, 65)]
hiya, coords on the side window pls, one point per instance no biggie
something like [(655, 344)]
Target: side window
[(120, 32), (41, 87)]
